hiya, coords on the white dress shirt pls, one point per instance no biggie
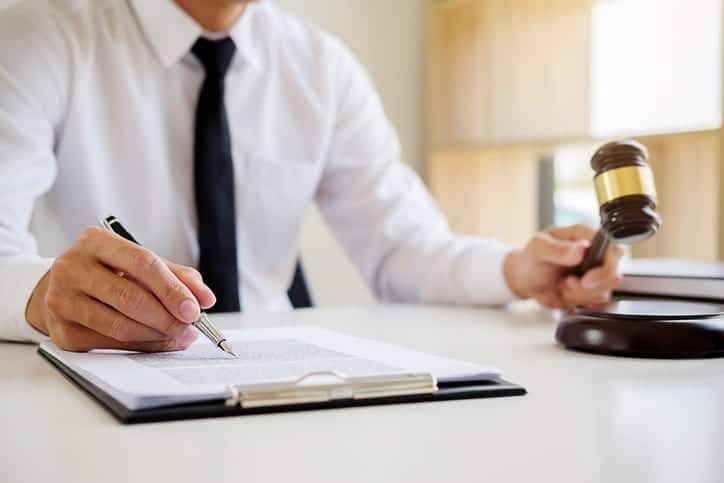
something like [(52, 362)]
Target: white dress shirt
[(97, 105)]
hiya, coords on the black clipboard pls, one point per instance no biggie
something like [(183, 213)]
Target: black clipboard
[(218, 408)]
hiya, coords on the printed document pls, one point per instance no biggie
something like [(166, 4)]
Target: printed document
[(279, 355)]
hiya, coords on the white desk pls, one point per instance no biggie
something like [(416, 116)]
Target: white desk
[(586, 418)]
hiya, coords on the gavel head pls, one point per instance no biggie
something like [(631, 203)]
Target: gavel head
[(626, 191)]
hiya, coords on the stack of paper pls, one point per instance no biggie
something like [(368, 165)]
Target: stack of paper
[(266, 357)]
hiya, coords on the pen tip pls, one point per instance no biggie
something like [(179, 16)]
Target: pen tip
[(227, 348)]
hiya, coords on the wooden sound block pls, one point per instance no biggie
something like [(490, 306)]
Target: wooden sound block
[(653, 328)]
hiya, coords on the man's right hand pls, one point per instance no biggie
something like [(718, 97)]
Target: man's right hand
[(108, 293)]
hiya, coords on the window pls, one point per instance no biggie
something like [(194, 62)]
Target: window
[(574, 200), (656, 66)]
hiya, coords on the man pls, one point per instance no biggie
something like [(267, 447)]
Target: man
[(208, 127)]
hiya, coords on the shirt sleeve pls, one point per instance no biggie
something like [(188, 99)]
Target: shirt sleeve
[(387, 220), (33, 80)]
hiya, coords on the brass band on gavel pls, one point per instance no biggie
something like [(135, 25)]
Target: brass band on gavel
[(624, 181)]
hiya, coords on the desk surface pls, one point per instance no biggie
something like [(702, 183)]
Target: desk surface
[(586, 418)]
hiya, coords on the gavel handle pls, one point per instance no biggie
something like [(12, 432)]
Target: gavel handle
[(594, 255)]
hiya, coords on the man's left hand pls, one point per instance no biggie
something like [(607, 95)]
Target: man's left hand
[(539, 270)]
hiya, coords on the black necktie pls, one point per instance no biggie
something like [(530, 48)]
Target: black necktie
[(214, 178)]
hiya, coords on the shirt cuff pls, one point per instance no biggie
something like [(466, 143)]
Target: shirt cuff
[(19, 277), (483, 275)]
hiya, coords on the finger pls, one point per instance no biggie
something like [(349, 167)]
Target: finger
[(193, 280), (602, 297), (572, 291), (148, 268), (606, 276), (189, 277), (581, 231), (575, 294), (602, 278), (129, 299), (595, 298), (549, 249), (77, 338), (107, 321)]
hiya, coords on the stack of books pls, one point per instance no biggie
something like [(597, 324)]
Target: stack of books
[(674, 278)]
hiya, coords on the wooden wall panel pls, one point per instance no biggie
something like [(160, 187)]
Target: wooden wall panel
[(456, 64), (488, 192), (569, 78), (503, 71), (686, 169)]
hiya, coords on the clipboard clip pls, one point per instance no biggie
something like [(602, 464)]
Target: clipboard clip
[(325, 386)]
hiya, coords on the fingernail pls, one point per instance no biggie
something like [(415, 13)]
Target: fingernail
[(189, 311), (187, 337), (591, 284), (576, 250)]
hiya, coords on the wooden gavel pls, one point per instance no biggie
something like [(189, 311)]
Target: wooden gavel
[(627, 198)]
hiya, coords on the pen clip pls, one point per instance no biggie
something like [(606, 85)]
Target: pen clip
[(106, 224), (326, 390)]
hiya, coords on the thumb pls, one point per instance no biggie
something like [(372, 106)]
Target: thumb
[(549, 249)]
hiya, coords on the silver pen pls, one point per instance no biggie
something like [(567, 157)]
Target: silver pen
[(204, 324)]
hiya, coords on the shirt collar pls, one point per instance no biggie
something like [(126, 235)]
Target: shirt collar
[(172, 32)]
